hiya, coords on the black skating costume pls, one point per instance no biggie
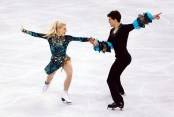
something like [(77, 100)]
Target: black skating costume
[(58, 48), (118, 41)]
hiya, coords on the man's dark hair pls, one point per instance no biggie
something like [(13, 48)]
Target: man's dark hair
[(115, 15)]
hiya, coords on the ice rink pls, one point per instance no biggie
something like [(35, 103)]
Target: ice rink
[(148, 81)]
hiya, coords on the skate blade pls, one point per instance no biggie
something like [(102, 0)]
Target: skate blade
[(65, 102), (114, 108)]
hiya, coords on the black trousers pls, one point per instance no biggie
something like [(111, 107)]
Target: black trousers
[(113, 80)]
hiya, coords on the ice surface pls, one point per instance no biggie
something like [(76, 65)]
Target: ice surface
[(148, 81)]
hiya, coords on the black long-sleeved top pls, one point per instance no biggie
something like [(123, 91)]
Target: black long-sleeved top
[(119, 39)]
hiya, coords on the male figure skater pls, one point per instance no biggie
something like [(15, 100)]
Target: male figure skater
[(118, 41)]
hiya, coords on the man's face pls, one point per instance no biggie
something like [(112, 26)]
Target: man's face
[(112, 22)]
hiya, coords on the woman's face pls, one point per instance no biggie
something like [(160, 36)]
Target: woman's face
[(62, 30)]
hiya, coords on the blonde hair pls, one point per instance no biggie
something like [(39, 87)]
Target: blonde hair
[(52, 32)]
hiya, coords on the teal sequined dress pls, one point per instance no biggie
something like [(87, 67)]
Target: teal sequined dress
[(58, 48)]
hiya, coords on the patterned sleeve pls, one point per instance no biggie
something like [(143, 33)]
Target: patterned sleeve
[(81, 39), (142, 20), (34, 34), (104, 46)]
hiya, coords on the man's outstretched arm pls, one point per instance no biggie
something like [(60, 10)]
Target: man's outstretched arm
[(103, 46)]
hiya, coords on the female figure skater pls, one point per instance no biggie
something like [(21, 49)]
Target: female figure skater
[(58, 42), (118, 41)]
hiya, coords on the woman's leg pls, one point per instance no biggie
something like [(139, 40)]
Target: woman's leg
[(48, 80), (50, 77), (69, 71)]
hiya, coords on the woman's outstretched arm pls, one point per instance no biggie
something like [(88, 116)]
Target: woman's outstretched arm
[(81, 39), (33, 33)]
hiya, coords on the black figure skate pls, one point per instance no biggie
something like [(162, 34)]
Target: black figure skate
[(115, 105)]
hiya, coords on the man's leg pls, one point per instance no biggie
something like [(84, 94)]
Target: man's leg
[(112, 80)]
